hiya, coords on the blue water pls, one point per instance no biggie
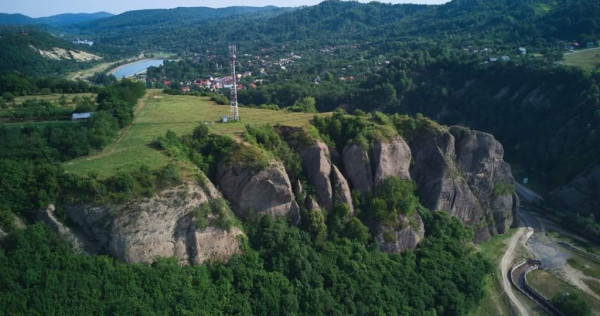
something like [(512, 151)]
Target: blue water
[(136, 68)]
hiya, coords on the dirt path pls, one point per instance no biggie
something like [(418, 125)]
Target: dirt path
[(506, 263)]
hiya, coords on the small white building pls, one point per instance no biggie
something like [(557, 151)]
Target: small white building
[(522, 51), (81, 116)]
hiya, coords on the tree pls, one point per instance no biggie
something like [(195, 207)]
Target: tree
[(9, 97), (102, 128), (62, 100)]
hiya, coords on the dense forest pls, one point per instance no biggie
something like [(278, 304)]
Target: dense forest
[(282, 272)]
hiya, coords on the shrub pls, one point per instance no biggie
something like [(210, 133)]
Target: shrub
[(170, 176), (571, 304)]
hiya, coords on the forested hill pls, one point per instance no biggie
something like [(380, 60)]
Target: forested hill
[(459, 22), (36, 52), (166, 18), (54, 20)]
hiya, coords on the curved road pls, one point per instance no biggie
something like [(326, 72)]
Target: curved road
[(532, 235), (506, 263)]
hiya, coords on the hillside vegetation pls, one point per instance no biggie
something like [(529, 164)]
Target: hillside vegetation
[(159, 113), (39, 53)]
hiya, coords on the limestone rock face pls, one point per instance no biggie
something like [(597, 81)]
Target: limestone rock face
[(325, 177), (264, 192), (161, 226), (406, 236), (391, 158), (78, 242), (457, 171), (367, 169), (481, 161), (341, 188), (215, 243), (311, 204), (582, 195), (357, 165), (317, 166)]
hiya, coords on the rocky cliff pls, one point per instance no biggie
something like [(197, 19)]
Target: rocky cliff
[(161, 226), (367, 168), (406, 235), (455, 169), (463, 172), (264, 192), (329, 183)]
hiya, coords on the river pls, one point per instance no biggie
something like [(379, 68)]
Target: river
[(135, 68)]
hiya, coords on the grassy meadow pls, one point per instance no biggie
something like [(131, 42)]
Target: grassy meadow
[(588, 59), (155, 115)]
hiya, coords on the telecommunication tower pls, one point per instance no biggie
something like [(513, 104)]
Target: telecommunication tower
[(235, 114)]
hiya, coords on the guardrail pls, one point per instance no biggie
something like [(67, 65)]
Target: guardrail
[(528, 291), (549, 307)]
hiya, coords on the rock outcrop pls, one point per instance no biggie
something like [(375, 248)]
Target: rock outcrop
[(357, 165), (367, 169), (391, 158), (326, 178), (582, 195), (404, 237), (16, 222), (481, 161), (79, 242), (161, 226), (463, 172), (264, 192)]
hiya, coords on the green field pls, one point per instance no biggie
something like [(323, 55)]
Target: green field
[(588, 59), (156, 114), (549, 285)]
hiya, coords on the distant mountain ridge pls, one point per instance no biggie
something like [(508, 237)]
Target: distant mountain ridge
[(176, 16), (529, 22), (54, 20)]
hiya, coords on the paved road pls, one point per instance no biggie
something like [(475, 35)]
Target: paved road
[(526, 194)]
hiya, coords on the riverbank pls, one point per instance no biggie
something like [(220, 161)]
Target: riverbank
[(133, 68), (110, 66)]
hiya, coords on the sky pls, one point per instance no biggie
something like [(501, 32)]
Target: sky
[(40, 8)]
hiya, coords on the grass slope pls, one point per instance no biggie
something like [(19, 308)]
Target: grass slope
[(550, 285), (155, 115), (588, 59)]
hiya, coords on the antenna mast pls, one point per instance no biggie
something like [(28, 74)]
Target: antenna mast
[(235, 115)]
